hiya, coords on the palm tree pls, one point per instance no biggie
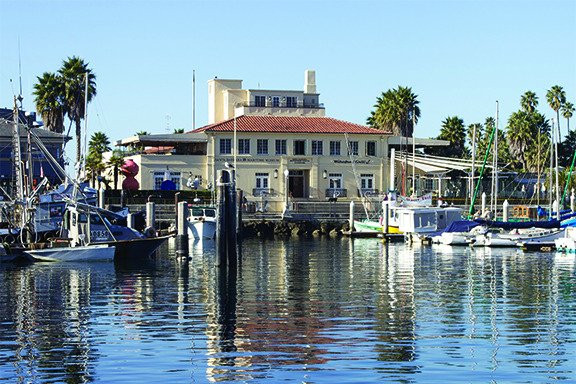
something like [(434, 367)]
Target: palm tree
[(142, 133), (116, 161), (556, 98), (179, 130), (529, 101), (99, 142), (48, 97), (74, 73), (567, 112), (478, 128), (454, 131), (396, 109)]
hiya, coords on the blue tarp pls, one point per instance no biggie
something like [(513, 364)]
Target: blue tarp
[(519, 224), (461, 226)]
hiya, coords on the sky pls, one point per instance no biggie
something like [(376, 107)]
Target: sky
[(459, 57)]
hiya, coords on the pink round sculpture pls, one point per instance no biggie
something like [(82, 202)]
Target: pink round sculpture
[(129, 170)]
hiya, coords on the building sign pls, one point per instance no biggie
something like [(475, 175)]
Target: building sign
[(247, 160), (299, 161), (368, 161)]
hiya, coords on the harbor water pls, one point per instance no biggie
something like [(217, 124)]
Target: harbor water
[(306, 311)]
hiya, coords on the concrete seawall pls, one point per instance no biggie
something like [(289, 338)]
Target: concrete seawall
[(269, 228)]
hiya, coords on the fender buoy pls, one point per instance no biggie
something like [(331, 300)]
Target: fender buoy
[(149, 232)]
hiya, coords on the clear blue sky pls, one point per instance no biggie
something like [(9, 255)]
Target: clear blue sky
[(459, 57)]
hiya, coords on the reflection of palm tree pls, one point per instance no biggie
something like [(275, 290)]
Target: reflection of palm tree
[(75, 73)]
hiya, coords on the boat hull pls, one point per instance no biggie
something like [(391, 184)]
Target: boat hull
[(202, 229), (72, 254)]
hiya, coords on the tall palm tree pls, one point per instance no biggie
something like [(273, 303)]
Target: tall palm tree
[(478, 128), (116, 161), (529, 101), (74, 73), (142, 133), (99, 143), (49, 98), (567, 112), (454, 131), (179, 130), (556, 98), (395, 110)]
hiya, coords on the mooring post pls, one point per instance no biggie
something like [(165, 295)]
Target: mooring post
[(351, 216), (483, 209), (151, 214), (182, 236), (122, 198), (505, 211), (101, 193), (386, 218), (555, 209), (130, 221), (572, 198), (232, 225), (221, 197), (239, 207)]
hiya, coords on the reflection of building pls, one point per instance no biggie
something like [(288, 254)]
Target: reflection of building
[(281, 143)]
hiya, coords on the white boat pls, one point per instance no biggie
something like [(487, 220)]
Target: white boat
[(84, 253), (567, 243), (545, 241), (422, 223), (459, 238), (514, 237), (202, 223)]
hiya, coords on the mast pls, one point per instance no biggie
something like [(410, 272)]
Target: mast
[(538, 169), (17, 153), (193, 99), (550, 175), (471, 211), (473, 171), (85, 121), (558, 203), (494, 199), (413, 156)]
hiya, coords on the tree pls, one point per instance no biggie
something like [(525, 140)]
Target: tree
[(179, 130), (479, 129), (395, 110), (49, 98), (142, 133), (529, 101), (99, 143), (556, 98), (524, 128), (116, 161), (567, 112), (74, 72), (452, 130)]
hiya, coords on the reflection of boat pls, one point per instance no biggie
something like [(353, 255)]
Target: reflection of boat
[(567, 243), (86, 253), (202, 222)]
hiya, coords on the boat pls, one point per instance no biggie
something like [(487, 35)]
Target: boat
[(499, 238), (545, 242), (567, 242), (458, 233), (421, 224), (101, 252), (202, 222)]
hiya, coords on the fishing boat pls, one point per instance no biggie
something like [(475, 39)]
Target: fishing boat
[(202, 222)]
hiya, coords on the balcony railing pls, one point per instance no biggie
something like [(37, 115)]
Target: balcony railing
[(336, 192), (261, 192), (368, 192), (284, 105)]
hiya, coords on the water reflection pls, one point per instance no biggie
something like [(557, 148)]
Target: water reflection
[(308, 310)]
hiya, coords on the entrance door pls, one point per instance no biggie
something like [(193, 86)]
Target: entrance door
[(297, 184)]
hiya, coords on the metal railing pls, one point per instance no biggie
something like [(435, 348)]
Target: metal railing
[(259, 192), (336, 192), (284, 105)]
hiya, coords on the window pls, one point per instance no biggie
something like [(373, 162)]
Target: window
[(280, 147), (160, 176), (335, 180), (262, 146), (261, 184), (366, 182), (299, 147), (260, 101), (276, 101), (291, 102), (334, 148), (353, 148), (370, 148), (225, 146), (317, 147), (243, 146)]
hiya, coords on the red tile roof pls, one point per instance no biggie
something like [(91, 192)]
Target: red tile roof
[(289, 124)]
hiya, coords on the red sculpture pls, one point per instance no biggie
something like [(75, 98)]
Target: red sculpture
[(129, 170)]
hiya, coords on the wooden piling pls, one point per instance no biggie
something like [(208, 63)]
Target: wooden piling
[(151, 214)]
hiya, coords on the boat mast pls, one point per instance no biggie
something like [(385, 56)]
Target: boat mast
[(471, 211), (17, 153), (550, 173), (473, 171), (194, 100), (494, 198), (413, 156), (557, 139)]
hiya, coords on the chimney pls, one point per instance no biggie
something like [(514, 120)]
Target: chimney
[(310, 81)]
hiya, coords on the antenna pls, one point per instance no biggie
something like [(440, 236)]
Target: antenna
[(168, 123), (20, 70), (193, 99)]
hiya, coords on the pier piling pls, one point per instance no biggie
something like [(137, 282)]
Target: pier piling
[(226, 223), (182, 236), (351, 217)]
